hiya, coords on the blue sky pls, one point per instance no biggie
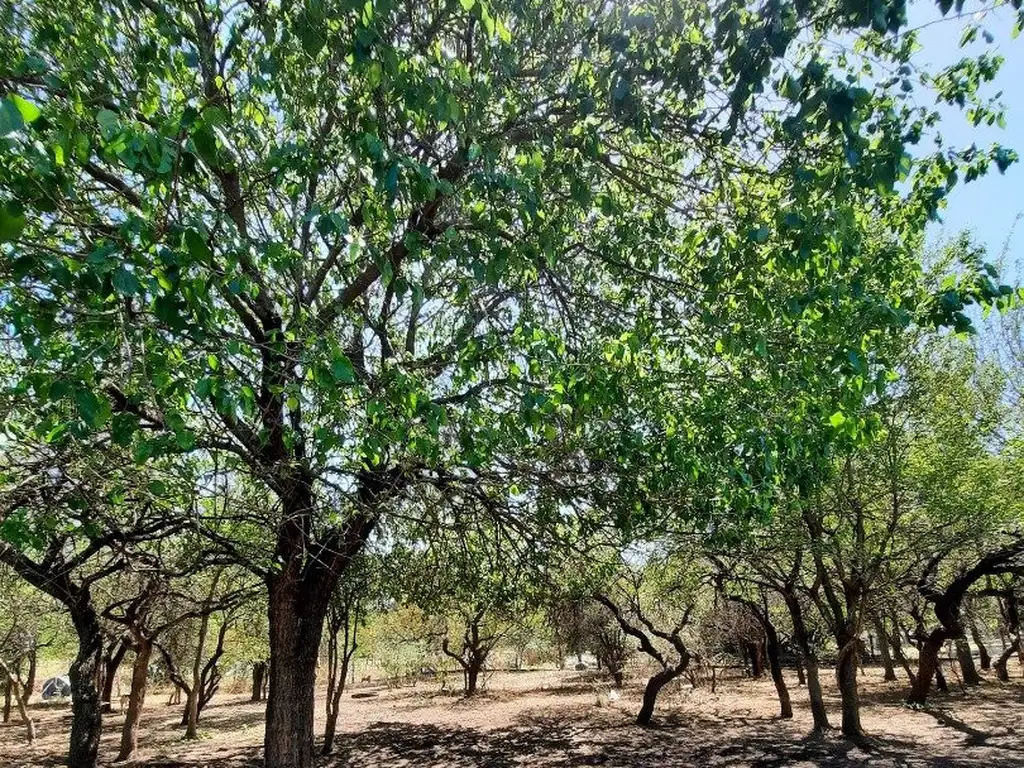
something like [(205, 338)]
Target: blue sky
[(990, 206)]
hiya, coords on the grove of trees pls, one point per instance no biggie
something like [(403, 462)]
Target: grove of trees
[(562, 326)]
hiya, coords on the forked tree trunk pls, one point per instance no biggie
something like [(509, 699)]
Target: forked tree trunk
[(337, 672), (14, 689), (883, 650), (136, 699), (30, 679), (968, 671)]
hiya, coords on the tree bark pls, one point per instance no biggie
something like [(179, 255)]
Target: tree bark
[(111, 663), (984, 659), (809, 660), (87, 717), (967, 669), (196, 691), (259, 673), (297, 609), (883, 649), (14, 689), (136, 698), (928, 663), (30, 679), (651, 691), (1000, 664), (337, 674), (846, 676)]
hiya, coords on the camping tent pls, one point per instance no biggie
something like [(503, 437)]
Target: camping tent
[(56, 688)]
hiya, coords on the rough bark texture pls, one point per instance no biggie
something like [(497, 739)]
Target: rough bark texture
[(86, 715), (651, 691), (846, 676), (296, 615), (143, 648)]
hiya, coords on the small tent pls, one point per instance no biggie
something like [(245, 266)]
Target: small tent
[(56, 688)]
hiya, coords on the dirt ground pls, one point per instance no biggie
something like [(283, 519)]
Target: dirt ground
[(550, 718)]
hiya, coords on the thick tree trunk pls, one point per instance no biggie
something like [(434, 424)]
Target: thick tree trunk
[(846, 676), (259, 673), (984, 659), (651, 691), (1000, 664), (136, 699), (883, 650), (296, 611), (86, 715), (967, 669), (927, 665), (472, 676)]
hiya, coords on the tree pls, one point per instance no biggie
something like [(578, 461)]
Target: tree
[(353, 247), (64, 536)]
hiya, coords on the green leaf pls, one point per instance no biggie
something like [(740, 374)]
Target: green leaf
[(125, 282), (109, 123), (29, 111), (12, 222), (342, 370), (10, 118), (837, 419)]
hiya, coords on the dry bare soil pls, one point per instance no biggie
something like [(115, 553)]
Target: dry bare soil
[(549, 718)]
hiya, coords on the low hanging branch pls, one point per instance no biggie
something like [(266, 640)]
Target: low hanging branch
[(670, 669)]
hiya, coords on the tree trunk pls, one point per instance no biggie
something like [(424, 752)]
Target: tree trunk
[(1000, 664), (846, 676), (651, 691), (14, 689), (801, 678), (337, 673), (196, 691), (30, 679), (296, 610), (966, 661), (136, 699), (984, 659), (87, 717), (259, 673), (928, 663), (773, 649), (7, 700), (883, 650), (111, 663), (809, 660), (472, 675)]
